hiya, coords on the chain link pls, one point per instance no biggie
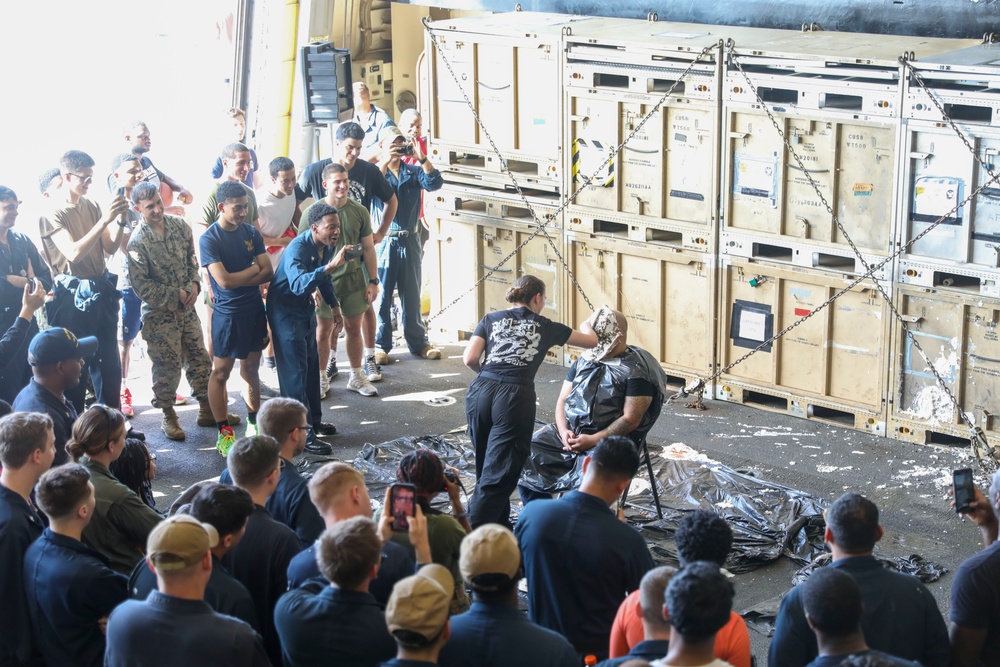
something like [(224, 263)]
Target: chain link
[(977, 438), (541, 226)]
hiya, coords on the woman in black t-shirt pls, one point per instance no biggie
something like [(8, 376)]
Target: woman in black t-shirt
[(506, 350)]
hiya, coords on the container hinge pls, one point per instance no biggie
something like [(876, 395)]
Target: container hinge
[(991, 38), (652, 17), (739, 135), (579, 119), (911, 319), (812, 27), (920, 156)]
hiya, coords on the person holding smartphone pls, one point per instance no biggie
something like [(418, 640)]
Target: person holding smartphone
[(20, 264), (975, 601), (423, 470), (506, 350)]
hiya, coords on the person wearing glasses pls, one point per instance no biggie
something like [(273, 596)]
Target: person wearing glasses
[(121, 521), (57, 358), (20, 265), (286, 420), (77, 236)]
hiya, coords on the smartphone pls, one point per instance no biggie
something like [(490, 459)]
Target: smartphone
[(450, 476), (402, 504), (31, 284), (965, 492), (353, 251), (121, 192)]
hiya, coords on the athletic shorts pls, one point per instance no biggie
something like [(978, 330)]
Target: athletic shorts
[(351, 305), (238, 337), (130, 323)]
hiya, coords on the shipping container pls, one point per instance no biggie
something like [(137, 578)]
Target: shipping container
[(617, 72), (958, 333), (509, 66), (833, 367), (473, 231), (962, 251), (630, 228), (667, 295), (839, 111)]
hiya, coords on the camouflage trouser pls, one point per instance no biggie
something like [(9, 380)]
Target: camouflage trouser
[(174, 342)]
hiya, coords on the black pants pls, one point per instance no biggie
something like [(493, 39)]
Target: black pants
[(105, 366), (501, 420)]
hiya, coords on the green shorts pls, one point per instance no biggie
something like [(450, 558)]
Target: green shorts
[(351, 305)]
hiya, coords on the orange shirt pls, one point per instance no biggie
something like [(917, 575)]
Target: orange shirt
[(732, 642)]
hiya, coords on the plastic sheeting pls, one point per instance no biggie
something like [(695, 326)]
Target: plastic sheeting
[(768, 520), (924, 570), (594, 403)]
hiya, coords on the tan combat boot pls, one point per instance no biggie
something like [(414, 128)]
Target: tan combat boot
[(206, 418), (171, 426)]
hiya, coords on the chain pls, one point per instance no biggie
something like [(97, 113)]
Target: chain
[(541, 226), (977, 436)]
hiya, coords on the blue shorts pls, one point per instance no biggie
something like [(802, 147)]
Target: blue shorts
[(130, 323), (238, 337)]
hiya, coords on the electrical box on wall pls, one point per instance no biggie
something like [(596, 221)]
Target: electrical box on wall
[(374, 74), (326, 75)]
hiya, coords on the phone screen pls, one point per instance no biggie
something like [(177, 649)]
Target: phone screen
[(402, 504), (964, 491)]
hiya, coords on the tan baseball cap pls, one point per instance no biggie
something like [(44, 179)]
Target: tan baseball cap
[(390, 133), (179, 542), (420, 603), (489, 549)]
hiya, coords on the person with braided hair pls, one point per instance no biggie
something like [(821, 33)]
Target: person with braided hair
[(136, 468), (506, 350), (424, 470)]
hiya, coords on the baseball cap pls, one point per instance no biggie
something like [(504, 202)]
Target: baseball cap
[(57, 344), (179, 542), (420, 603), (490, 549), (389, 133)]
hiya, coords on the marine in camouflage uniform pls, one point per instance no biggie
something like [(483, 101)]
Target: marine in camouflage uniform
[(162, 268)]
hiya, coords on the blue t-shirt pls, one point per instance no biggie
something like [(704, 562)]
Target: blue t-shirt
[(516, 342), (236, 250)]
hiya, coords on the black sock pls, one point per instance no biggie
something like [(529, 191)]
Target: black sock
[(221, 424), (252, 417)]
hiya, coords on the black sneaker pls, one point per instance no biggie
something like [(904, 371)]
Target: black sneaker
[(319, 447), (324, 429), (331, 369), (370, 369)]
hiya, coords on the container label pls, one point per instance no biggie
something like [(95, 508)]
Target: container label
[(681, 194), (935, 197), (589, 156), (863, 189), (751, 324), (755, 177)]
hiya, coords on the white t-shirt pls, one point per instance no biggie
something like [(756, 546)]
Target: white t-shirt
[(274, 216), (662, 662)]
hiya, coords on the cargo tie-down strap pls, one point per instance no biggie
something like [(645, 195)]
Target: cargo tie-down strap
[(984, 454)]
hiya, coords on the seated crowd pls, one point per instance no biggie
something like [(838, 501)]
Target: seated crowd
[(265, 567)]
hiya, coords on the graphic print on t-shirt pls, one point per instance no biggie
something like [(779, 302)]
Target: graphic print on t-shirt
[(356, 191), (514, 341)]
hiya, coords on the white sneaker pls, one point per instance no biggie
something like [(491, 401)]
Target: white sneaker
[(362, 385), (324, 385), (371, 369)]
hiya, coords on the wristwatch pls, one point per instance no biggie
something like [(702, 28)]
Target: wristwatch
[(373, 281)]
